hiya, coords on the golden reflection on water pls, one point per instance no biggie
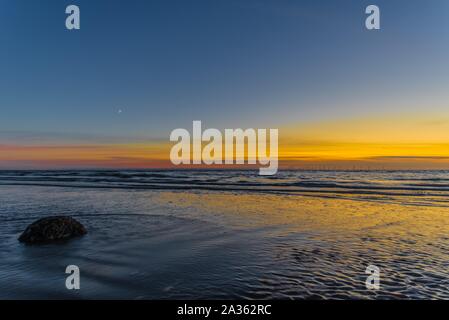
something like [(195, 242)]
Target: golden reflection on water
[(404, 239), (302, 213)]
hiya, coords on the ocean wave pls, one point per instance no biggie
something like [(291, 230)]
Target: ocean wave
[(430, 187)]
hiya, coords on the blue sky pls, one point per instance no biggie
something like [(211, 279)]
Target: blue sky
[(228, 63)]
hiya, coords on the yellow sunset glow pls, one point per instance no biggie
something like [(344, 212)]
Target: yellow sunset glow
[(394, 141)]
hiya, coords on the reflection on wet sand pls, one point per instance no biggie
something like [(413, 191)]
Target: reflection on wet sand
[(323, 242)]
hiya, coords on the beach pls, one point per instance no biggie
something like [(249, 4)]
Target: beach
[(222, 234)]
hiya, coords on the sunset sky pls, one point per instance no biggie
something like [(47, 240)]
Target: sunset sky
[(109, 94)]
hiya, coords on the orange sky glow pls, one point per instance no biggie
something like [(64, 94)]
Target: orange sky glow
[(371, 143)]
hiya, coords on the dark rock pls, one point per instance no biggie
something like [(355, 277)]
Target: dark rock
[(52, 229)]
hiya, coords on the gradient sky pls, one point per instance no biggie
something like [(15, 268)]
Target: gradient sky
[(341, 95)]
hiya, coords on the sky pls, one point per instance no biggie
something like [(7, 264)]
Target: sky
[(109, 94)]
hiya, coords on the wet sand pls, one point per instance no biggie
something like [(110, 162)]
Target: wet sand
[(149, 244)]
